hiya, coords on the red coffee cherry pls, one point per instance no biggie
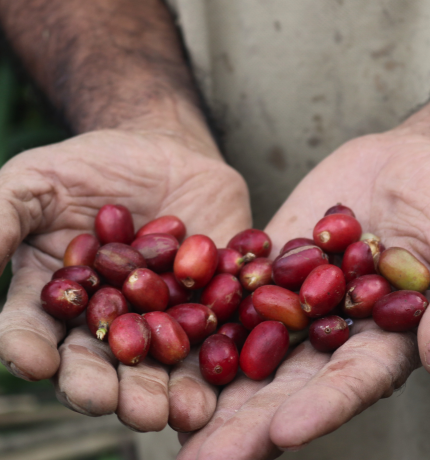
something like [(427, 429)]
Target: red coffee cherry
[(231, 261), (335, 232), (248, 315), (264, 349), (81, 274), (257, 273), (296, 243), (196, 261), (146, 291), (197, 320), (114, 224), (362, 294), (129, 338), (252, 241), (64, 299), (115, 261), (236, 332), (164, 224), (178, 293), (169, 342), (322, 290), (279, 304), (219, 359), (361, 258), (340, 209), (104, 307), (328, 333), (222, 295), (291, 268), (399, 311), (158, 249), (81, 250)]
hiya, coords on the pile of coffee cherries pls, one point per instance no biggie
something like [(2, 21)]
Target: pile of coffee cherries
[(147, 293)]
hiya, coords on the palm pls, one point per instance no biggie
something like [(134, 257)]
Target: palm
[(52, 194), (383, 178)]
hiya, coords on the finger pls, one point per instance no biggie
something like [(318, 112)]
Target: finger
[(87, 381), (192, 399), (28, 335), (231, 399), (143, 399), (369, 366), (424, 339), (246, 435)]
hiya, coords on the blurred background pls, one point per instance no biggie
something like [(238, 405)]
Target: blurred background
[(33, 425)]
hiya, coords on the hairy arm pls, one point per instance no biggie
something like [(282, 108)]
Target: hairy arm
[(104, 63)]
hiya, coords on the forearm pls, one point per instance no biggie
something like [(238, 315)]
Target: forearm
[(103, 63)]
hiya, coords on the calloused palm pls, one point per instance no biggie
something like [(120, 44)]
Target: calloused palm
[(51, 194), (384, 179)]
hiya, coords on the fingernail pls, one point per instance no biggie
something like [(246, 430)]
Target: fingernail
[(18, 373), (293, 448)]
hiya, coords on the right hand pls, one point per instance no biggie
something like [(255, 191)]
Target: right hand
[(51, 194)]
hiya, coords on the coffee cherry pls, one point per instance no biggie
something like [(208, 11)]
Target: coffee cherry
[(291, 268), (158, 249), (231, 261), (129, 338), (169, 342), (340, 209), (178, 293), (81, 274), (64, 299), (403, 270), (296, 243), (279, 304), (361, 258), (104, 307), (248, 315), (197, 320), (362, 293), (146, 291), (222, 295), (328, 333), (81, 250), (114, 224), (196, 261), (264, 349), (219, 359), (335, 232), (251, 241), (399, 311), (236, 332), (322, 290), (115, 261), (257, 273), (164, 224)]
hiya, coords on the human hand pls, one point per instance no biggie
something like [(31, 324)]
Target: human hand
[(51, 194), (384, 179)]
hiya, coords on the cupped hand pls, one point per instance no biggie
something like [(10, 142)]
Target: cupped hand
[(51, 194), (384, 179)]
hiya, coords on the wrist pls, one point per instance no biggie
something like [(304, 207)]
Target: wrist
[(177, 119)]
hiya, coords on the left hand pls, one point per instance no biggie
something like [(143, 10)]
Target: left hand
[(384, 178)]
